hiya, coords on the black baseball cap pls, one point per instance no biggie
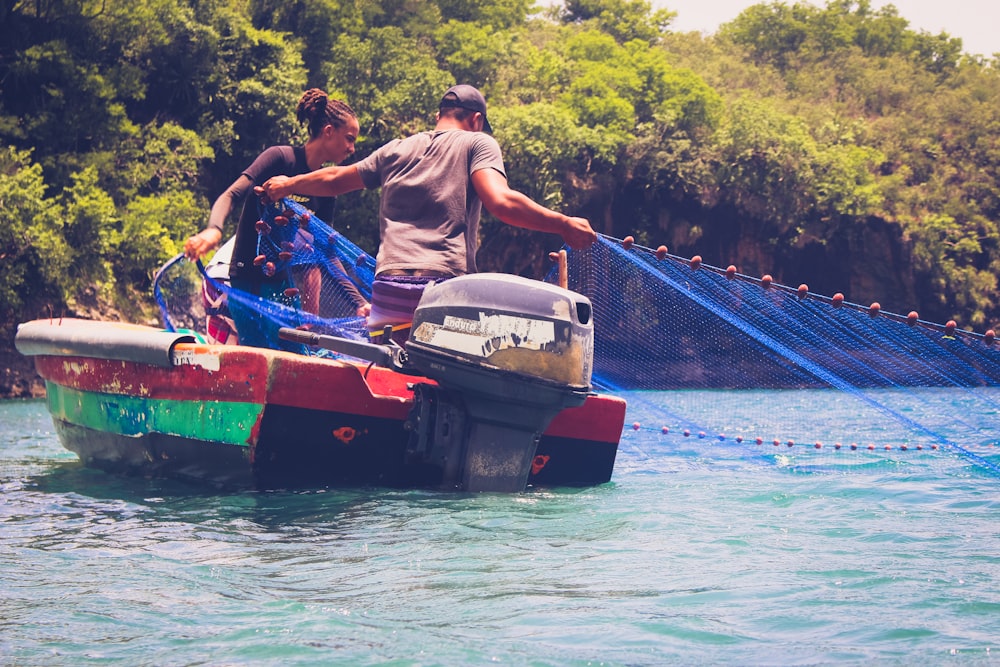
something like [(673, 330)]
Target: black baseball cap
[(464, 96)]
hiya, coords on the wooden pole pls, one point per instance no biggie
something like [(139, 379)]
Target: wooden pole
[(563, 270)]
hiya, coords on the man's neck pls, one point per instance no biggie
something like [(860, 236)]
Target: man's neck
[(451, 123)]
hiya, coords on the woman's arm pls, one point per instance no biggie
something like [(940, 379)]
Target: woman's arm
[(208, 238)]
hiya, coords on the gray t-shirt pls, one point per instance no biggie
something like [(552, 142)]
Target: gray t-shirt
[(429, 211)]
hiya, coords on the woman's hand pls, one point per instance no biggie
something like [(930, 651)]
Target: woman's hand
[(199, 244)]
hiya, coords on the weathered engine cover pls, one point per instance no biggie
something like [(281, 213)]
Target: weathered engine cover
[(507, 323)]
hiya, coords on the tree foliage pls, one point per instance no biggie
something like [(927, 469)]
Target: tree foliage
[(796, 126)]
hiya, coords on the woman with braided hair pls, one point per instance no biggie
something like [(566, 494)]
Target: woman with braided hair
[(333, 129)]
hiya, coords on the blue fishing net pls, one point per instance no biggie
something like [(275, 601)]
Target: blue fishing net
[(710, 354), (312, 277), (709, 360)]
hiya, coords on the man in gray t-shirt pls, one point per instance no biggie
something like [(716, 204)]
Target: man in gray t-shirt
[(434, 185), (428, 213)]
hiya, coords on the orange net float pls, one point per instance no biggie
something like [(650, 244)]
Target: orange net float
[(628, 242)]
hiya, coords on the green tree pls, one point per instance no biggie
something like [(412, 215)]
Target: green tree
[(473, 52), (34, 254), (499, 14), (92, 229), (397, 78), (624, 20)]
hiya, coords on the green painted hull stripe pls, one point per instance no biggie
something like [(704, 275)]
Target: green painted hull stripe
[(227, 422)]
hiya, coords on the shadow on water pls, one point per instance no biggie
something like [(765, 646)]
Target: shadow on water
[(174, 499), (72, 484)]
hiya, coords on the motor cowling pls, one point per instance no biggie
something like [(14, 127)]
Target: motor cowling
[(508, 354)]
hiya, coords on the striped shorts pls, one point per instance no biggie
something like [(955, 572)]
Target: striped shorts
[(394, 298)]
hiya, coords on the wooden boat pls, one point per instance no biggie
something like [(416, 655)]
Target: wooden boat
[(441, 414)]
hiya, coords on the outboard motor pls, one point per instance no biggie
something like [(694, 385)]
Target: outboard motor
[(508, 354)]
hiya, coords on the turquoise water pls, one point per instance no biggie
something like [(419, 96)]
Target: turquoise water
[(697, 552)]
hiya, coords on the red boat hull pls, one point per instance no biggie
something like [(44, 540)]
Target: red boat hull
[(250, 417)]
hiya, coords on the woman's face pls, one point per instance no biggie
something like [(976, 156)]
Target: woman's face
[(338, 142)]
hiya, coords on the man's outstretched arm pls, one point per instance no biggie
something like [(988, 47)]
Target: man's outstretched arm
[(326, 182), (517, 209)]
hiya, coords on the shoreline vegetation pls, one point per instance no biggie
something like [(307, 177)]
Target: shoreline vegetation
[(827, 144)]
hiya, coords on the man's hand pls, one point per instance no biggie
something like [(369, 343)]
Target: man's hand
[(199, 244), (578, 233), (274, 188)]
